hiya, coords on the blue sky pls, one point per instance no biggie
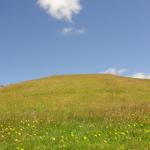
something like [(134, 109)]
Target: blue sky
[(89, 37)]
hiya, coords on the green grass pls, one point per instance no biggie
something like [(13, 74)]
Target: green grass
[(76, 112)]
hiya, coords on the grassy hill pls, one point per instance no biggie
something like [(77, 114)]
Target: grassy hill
[(76, 112)]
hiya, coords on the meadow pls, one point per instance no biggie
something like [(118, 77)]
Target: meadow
[(76, 112)]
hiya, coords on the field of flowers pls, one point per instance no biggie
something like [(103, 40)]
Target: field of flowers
[(81, 112)]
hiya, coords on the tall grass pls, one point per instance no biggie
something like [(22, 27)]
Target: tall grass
[(76, 112)]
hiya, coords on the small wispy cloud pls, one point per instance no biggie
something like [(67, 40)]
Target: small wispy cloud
[(73, 31), (141, 76), (114, 71), (122, 72), (61, 9)]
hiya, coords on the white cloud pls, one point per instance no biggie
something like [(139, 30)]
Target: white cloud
[(122, 72), (61, 9), (73, 30), (114, 71), (141, 76)]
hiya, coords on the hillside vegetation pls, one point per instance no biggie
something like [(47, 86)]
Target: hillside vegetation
[(76, 112)]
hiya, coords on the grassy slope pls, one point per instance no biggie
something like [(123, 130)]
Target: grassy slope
[(76, 112)]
